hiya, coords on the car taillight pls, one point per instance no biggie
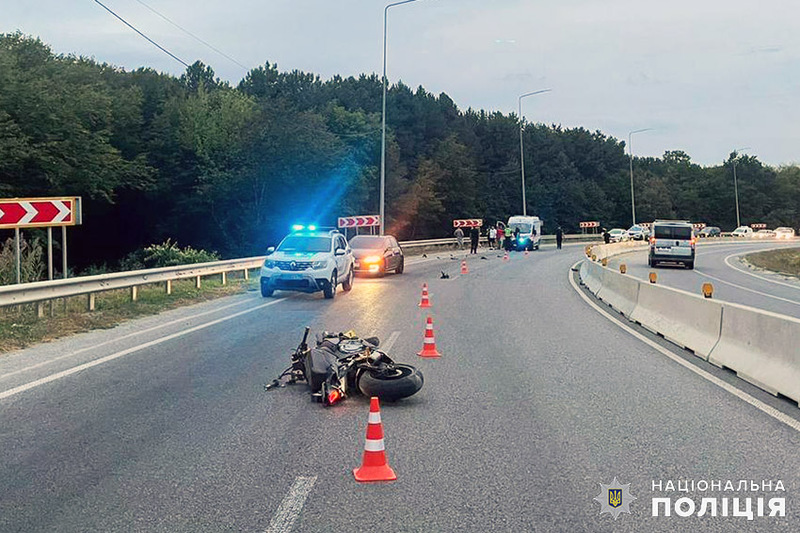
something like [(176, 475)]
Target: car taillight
[(652, 240)]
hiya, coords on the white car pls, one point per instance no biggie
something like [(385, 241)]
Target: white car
[(764, 234), (618, 235), (743, 231), (784, 233), (638, 233), (309, 260)]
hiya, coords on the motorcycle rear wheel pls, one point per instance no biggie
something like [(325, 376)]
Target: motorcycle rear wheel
[(405, 381)]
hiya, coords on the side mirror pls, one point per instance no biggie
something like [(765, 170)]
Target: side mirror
[(270, 250), (340, 251)]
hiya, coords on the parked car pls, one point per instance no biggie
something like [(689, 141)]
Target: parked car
[(618, 235), (672, 241), (710, 231), (308, 260), (377, 254), (638, 233), (764, 234), (743, 231), (784, 233)]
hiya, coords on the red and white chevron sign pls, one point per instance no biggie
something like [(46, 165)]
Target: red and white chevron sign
[(468, 223), (39, 212), (363, 221), (758, 226), (699, 225), (591, 224)]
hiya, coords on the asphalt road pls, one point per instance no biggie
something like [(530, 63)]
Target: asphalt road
[(163, 424), (733, 280)]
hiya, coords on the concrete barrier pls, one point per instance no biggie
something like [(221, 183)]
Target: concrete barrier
[(687, 320), (619, 291), (762, 348), (592, 276)]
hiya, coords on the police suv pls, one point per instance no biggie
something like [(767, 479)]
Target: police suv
[(308, 260)]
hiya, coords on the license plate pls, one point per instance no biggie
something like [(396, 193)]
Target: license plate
[(292, 276), (663, 249)]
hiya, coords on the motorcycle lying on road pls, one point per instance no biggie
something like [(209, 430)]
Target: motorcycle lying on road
[(343, 362)]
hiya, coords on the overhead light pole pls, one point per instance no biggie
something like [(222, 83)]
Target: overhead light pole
[(630, 151), (383, 114), (735, 183), (521, 150)]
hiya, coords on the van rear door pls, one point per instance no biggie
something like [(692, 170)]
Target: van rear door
[(673, 241)]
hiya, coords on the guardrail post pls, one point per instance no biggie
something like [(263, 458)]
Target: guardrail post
[(169, 286), (134, 293), (197, 282), (224, 278), (40, 309), (246, 274), (90, 303)]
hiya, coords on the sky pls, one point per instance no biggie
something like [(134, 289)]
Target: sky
[(708, 76)]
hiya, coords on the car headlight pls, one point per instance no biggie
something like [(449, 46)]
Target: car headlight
[(318, 265), (269, 263), (370, 259)]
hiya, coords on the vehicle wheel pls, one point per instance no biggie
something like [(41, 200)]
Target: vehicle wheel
[(399, 269), (266, 292), (330, 290), (403, 382), (689, 265), (347, 284)]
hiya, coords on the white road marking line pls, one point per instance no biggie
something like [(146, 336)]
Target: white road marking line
[(758, 404), (117, 339), (756, 275), (746, 288), (292, 504), (386, 346), (90, 364)]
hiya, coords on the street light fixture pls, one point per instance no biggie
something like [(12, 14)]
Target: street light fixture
[(383, 113), (630, 151), (735, 183), (521, 152)]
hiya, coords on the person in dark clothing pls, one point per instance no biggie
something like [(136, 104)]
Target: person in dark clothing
[(606, 236), (559, 237), (474, 235)]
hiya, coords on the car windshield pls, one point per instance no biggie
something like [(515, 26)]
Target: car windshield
[(635, 228), (673, 232), (305, 243), (369, 242), (523, 227), (740, 229), (617, 231)]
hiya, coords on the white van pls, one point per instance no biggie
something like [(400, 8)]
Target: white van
[(530, 232)]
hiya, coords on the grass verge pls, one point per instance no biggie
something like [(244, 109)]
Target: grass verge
[(20, 326), (785, 261)]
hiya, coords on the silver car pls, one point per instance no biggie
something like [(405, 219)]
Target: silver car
[(672, 241)]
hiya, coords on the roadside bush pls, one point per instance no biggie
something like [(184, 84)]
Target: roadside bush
[(165, 254), (32, 265)]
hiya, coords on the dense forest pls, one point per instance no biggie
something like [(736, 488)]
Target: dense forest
[(229, 169)]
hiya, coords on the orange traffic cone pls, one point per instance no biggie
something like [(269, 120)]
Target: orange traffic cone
[(429, 343), (425, 302), (464, 269), (505, 256), (526, 253), (374, 466)]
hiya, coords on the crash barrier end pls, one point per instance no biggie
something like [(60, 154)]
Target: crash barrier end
[(374, 466)]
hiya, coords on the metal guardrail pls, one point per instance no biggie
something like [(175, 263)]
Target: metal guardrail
[(41, 291)]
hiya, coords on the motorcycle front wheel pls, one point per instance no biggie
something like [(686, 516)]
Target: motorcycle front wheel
[(400, 382)]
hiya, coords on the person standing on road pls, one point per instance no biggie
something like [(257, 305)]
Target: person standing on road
[(507, 241), (559, 237), (492, 236), (606, 236), (459, 233), (474, 235)]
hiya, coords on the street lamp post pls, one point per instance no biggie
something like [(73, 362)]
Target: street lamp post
[(735, 183), (630, 151), (383, 113), (521, 151)]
